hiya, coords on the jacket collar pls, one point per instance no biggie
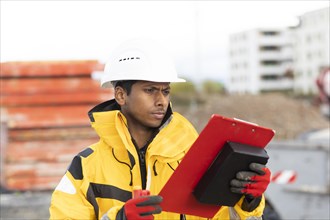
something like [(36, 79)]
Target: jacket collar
[(110, 105), (174, 138), (111, 125)]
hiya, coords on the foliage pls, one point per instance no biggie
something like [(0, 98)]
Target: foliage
[(212, 87), (183, 94), (183, 88)]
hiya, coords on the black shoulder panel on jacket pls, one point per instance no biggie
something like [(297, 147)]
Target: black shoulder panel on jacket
[(75, 168), (92, 200), (85, 153)]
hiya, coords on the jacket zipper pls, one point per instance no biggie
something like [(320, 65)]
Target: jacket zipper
[(143, 168), (142, 159), (142, 162)]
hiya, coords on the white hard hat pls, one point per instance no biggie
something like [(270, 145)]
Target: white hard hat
[(139, 59)]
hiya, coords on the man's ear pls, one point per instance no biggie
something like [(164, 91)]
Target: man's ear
[(120, 95)]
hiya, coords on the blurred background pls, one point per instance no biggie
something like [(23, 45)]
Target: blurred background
[(266, 62)]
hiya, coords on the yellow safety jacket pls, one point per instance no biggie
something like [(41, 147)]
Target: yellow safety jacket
[(101, 178)]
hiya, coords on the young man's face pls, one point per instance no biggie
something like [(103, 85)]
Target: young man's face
[(147, 103)]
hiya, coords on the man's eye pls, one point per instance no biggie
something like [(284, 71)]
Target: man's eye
[(151, 90), (166, 92)]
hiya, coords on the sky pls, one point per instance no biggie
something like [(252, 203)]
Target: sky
[(196, 33)]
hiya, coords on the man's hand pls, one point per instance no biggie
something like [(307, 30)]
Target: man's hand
[(141, 208), (252, 184)]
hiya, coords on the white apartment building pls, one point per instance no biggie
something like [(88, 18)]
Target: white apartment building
[(311, 49), (260, 60)]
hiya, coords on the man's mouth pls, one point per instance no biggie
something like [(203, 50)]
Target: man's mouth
[(159, 114)]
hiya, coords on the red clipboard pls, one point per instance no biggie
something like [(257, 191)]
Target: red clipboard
[(177, 192)]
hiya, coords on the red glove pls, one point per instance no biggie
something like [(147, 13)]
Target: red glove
[(252, 183), (141, 208)]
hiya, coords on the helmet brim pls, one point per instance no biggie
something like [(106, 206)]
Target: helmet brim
[(109, 83)]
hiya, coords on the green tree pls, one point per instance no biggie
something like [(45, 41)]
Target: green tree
[(183, 88), (212, 87)]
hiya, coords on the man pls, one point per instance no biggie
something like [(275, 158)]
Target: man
[(141, 143)]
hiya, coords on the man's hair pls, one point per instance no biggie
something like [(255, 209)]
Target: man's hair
[(125, 84)]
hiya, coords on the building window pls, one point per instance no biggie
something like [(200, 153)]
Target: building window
[(269, 33), (270, 62), (270, 77), (269, 48), (246, 65), (309, 73)]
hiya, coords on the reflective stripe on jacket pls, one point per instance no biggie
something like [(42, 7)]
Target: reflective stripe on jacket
[(101, 178)]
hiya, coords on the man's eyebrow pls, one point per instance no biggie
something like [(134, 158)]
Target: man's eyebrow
[(156, 86)]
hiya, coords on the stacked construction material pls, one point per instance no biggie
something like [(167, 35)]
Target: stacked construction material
[(44, 120)]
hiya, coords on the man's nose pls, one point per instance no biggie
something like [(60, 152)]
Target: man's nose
[(161, 99)]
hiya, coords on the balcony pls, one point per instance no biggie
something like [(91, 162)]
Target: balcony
[(273, 41), (270, 55), (272, 69), (279, 84)]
